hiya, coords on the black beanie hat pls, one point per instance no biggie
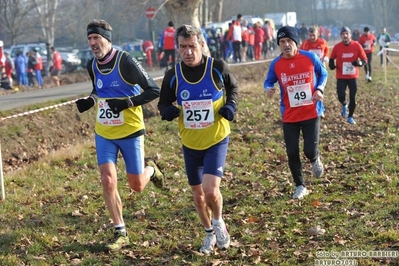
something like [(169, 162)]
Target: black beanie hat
[(170, 24), (345, 29), (287, 32)]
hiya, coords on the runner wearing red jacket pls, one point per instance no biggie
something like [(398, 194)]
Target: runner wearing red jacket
[(148, 47), (367, 40), (346, 57), (301, 78), (317, 45)]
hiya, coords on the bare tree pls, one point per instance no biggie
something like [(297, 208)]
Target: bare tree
[(14, 18), (185, 12), (46, 10)]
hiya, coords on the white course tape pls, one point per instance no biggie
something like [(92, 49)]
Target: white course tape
[(37, 110), (46, 108)]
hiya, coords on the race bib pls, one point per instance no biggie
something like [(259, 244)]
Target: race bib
[(348, 69), (300, 95), (317, 52), (198, 114), (106, 117)]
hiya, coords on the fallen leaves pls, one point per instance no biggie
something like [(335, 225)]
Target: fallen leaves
[(316, 231)]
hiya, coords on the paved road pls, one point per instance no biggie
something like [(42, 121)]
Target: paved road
[(15, 100)]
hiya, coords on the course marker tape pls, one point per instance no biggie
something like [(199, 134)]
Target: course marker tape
[(37, 110)]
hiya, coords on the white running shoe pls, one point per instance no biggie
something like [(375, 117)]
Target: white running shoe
[(300, 192), (317, 168), (222, 235), (209, 243)]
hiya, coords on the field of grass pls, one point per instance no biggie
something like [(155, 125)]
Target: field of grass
[(54, 212)]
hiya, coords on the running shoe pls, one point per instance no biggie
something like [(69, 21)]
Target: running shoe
[(300, 192), (222, 235), (157, 178), (351, 121), (344, 110), (209, 243), (119, 241), (317, 168)]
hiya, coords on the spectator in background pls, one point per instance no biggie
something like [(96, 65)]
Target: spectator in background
[(30, 69), (268, 38), (2, 57), (245, 39), (9, 67), (346, 57), (367, 41), (355, 35), (21, 65), (383, 40), (203, 29), (228, 46), (57, 66), (334, 33), (5, 82), (148, 47), (214, 43), (251, 42), (38, 68), (235, 35), (168, 45), (321, 31), (303, 31), (328, 34), (259, 38)]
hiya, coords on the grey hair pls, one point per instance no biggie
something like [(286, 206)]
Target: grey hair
[(188, 31)]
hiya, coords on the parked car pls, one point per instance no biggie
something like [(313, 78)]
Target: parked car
[(70, 59), (26, 47), (84, 55)]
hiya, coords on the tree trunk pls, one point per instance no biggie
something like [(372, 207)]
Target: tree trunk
[(185, 12)]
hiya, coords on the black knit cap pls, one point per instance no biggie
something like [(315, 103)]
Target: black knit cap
[(345, 29), (287, 32)]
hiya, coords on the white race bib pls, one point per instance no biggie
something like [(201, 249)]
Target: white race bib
[(348, 69), (300, 95), (198, 114), (317, 52), (106, 117)]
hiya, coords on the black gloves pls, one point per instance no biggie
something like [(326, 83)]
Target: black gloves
[(357, 63), (84, 104), (331, 64), (170, 113), (228, 110), (117, 106)]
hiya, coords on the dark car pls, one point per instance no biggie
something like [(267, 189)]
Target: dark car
[(70, 59), (84, 55)]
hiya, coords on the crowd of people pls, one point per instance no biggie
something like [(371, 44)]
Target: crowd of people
[(26, 70), (242, 41), (201, 93)]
